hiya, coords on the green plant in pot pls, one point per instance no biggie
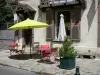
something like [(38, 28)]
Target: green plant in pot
[(67, 54)]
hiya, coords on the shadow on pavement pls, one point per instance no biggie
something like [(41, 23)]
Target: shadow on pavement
[(43, 73), (25, 56), (45, 61)]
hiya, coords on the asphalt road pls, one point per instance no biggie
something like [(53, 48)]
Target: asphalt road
[(14, 71)]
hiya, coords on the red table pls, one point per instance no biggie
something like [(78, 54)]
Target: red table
[(45, 48), (46, 51)]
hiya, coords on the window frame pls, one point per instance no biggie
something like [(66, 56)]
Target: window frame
[(55, 18), (70, 10)]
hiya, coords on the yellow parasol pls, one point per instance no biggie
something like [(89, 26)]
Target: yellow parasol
[(28, 24)]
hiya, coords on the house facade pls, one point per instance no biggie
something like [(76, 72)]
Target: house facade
[(81, 22)]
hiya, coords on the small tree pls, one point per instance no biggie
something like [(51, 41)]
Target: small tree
[(67, 50)]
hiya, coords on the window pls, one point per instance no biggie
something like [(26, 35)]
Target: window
[(66, 20), (71, 19)]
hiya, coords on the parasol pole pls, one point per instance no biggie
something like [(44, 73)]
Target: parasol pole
[(31, 43), (30, 48)]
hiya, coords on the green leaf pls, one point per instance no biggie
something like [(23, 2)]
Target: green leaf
[(6, 14), (67, 50)]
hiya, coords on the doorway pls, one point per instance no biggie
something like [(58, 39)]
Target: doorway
[(66, 20), (27, 33), (24, 12)]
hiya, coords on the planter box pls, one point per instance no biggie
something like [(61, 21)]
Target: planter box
[(67, 63)]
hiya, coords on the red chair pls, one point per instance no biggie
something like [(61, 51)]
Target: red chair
[(45, 54), (13, 47), (53, 49), (46, 51), (13, 44), (45, 47)]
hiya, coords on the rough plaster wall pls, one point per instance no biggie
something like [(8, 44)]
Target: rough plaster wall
[(89, 22), (88, 27), (39, 34), (6, 37), (20, 42)]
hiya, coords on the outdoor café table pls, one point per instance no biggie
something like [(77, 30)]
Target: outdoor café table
[(47, 52)]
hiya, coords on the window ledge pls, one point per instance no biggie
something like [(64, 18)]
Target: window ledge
[(56, 41)]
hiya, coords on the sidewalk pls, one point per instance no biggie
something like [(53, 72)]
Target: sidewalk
[(87, 66)]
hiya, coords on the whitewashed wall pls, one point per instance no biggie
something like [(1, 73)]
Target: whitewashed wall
[(89, 23), (88, 27), (39, 34), (6, 37)]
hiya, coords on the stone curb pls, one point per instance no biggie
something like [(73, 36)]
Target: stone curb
[(5, 65), (44, 73)]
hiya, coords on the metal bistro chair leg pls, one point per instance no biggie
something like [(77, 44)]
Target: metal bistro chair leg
[(10, 53)]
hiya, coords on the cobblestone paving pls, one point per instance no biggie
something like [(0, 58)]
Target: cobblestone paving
[(87, 66)]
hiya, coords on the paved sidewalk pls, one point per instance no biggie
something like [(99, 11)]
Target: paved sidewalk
[(87, 66)]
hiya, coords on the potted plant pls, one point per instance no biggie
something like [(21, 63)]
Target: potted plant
[(67, 55)]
